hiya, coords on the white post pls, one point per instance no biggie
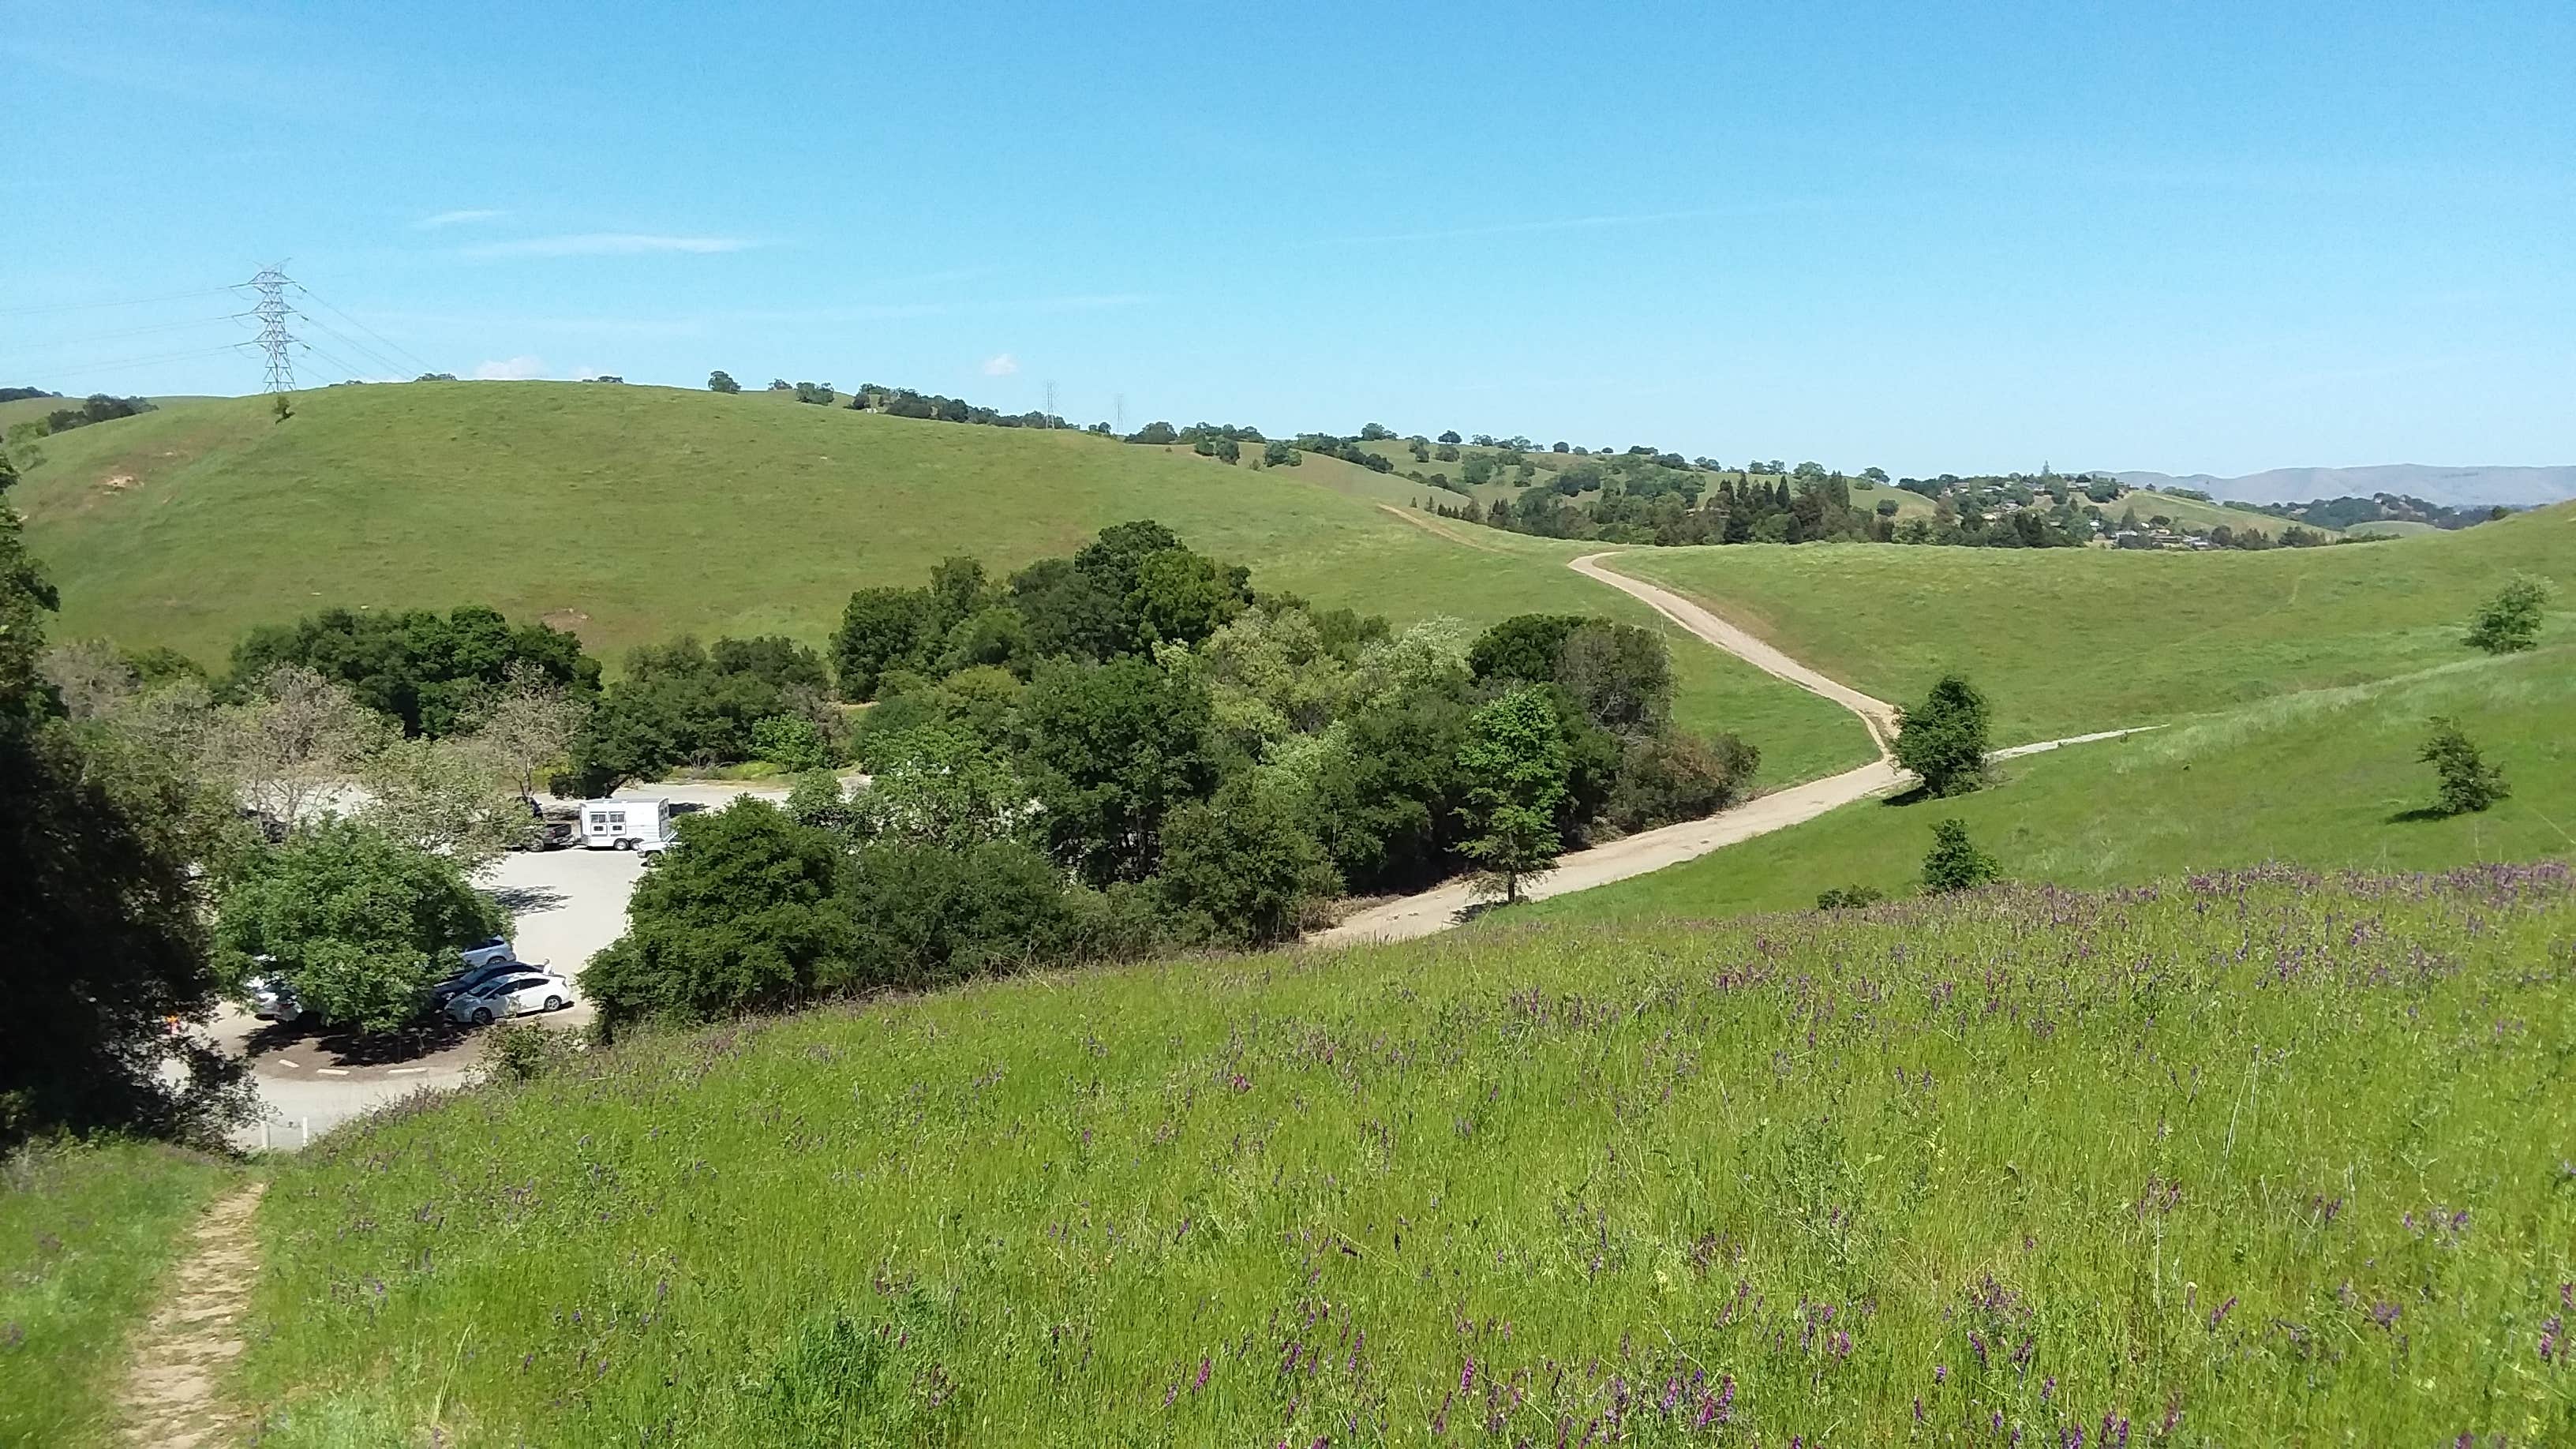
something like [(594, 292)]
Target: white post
[(263, 1134), (303, 1132)]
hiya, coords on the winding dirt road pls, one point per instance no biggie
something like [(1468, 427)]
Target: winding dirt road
[(1445, 905)]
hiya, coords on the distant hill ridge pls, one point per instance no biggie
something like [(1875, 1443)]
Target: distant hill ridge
[(2455, 487)]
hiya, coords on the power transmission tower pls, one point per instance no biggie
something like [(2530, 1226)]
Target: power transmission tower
[(1120, 407), (1050, 409), (272, 312)]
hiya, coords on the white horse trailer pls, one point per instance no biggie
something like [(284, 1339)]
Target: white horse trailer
[(625, 824)]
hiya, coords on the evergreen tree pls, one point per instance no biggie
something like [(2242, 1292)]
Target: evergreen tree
[(1954, 863), (2468, 783)]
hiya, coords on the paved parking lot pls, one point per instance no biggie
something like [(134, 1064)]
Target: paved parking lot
[(567, 903)]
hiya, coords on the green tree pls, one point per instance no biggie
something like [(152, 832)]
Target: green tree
[(1181, 597), (2468, 783), (1113, 748), (1943, 739), (881, 629), (722, 381), (744, 915), (1523, 648), (356, 922), (2510, 622), (1155, 433), (100, 913), (1514, 762), (1619, 675), (1239, 869), (1954, 863), (942, 786), (1281, 455), (791, 742)]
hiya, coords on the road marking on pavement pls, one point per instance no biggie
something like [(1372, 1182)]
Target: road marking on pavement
[(286, 1061), (406, 1071), (333, 1071)]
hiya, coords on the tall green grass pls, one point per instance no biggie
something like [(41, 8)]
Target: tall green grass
[(85, 1234), (2246, 1159)]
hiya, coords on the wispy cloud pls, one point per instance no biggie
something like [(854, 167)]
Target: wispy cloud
[(511, 369), (1002, 366), (457, 218), (608, 244)]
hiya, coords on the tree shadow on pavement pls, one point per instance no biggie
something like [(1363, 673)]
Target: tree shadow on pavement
[(348, 1047), (524, 900)]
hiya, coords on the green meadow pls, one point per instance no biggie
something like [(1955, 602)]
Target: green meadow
[(2241, 1159), (85, 1233), (2327, 779), (2070, 641)]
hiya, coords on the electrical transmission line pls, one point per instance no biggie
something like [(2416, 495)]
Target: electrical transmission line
[(272, 312)]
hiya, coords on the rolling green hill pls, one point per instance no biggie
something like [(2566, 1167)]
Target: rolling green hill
[(2067, 641), (2326, 779), (634, 513)]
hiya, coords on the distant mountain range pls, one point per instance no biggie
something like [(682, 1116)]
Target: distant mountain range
[(2457, 487)]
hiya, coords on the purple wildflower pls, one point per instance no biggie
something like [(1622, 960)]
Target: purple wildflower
[(1201, 1381), (2219, 1314), (1940, 1373), (1467, 1375)]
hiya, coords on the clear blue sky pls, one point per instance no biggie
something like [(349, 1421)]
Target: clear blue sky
[(2187, 237)]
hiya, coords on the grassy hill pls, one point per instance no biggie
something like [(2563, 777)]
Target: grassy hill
[(2020, 1164), (2326, 779), (2075, 640), (19, 410), (635, 513)]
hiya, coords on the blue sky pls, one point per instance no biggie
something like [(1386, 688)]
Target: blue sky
[(2189, 237)]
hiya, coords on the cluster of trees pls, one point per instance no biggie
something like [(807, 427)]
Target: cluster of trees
[(430, 673), (103, 911), (1133, 748), (686, 703), (2347, 511), (1669, 511), (900, 402), (96, 408)]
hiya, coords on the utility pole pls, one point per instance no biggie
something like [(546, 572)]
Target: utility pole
[(272, 312)]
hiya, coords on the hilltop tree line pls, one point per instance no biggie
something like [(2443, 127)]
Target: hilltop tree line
[(1134, 748), (96, 408)]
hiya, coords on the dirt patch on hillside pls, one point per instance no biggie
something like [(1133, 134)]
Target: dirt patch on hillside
[(169, 1400)]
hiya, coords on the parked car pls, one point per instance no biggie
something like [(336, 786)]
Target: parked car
[(512, 993), (487, 951), (549, 835), (473, 978), (272, 999)]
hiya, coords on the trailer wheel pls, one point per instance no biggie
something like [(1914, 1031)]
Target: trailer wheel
[(624, 843)]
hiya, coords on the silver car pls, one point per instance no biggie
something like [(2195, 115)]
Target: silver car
[(512, 993)]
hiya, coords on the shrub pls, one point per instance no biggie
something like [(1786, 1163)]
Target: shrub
[(1240, 870), (2510, 622), (2468, 783), (1954, 863), (791, 742), (1674, 776), (1849, 897), (525, 1051), (922, 916)]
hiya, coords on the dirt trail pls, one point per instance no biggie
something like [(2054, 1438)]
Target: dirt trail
[(169, 1399), (1440, 907)]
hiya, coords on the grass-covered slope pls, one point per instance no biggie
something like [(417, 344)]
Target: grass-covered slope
[(635, 513), (2327, 779), (2250, 1160), (85, 1234), (2067, 641)]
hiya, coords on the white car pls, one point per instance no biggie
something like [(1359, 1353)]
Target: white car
[(512, 993)]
